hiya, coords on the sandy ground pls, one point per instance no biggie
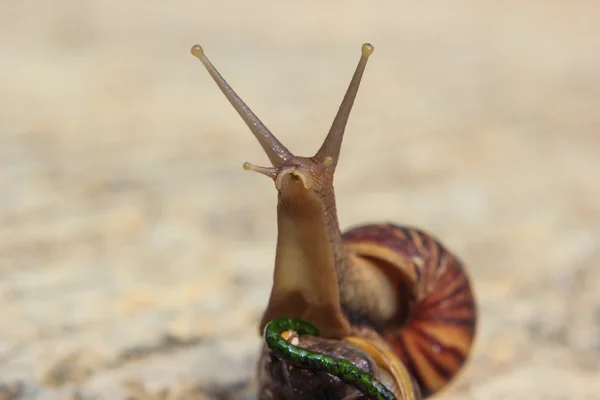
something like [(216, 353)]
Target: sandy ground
[(136, 254)]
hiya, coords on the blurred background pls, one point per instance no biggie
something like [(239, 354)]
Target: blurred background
[(136, 255)]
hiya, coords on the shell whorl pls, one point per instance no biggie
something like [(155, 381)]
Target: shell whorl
[(435, 326)]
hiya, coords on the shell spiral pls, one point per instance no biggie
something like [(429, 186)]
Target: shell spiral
[(434, 329)]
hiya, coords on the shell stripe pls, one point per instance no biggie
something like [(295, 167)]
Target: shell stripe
[(435, 339)]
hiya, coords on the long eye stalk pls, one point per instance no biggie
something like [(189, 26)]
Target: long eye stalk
[(276, 151), (333, 143)]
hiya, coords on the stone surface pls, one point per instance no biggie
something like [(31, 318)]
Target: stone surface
[(136, 254)]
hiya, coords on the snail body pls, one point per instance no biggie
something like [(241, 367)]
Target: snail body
[(380, 311)]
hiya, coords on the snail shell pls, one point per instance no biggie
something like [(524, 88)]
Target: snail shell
[(434, 329)]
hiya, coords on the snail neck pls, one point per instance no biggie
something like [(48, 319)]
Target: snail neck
[(308, 261)]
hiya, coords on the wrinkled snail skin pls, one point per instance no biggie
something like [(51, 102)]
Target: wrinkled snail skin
[(390, 310)]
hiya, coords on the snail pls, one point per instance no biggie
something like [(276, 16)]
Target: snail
[(380, 311)]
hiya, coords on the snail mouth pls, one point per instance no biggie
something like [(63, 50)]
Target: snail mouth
[(294, 172)]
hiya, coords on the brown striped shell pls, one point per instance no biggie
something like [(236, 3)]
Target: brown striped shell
[(433, 331)]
